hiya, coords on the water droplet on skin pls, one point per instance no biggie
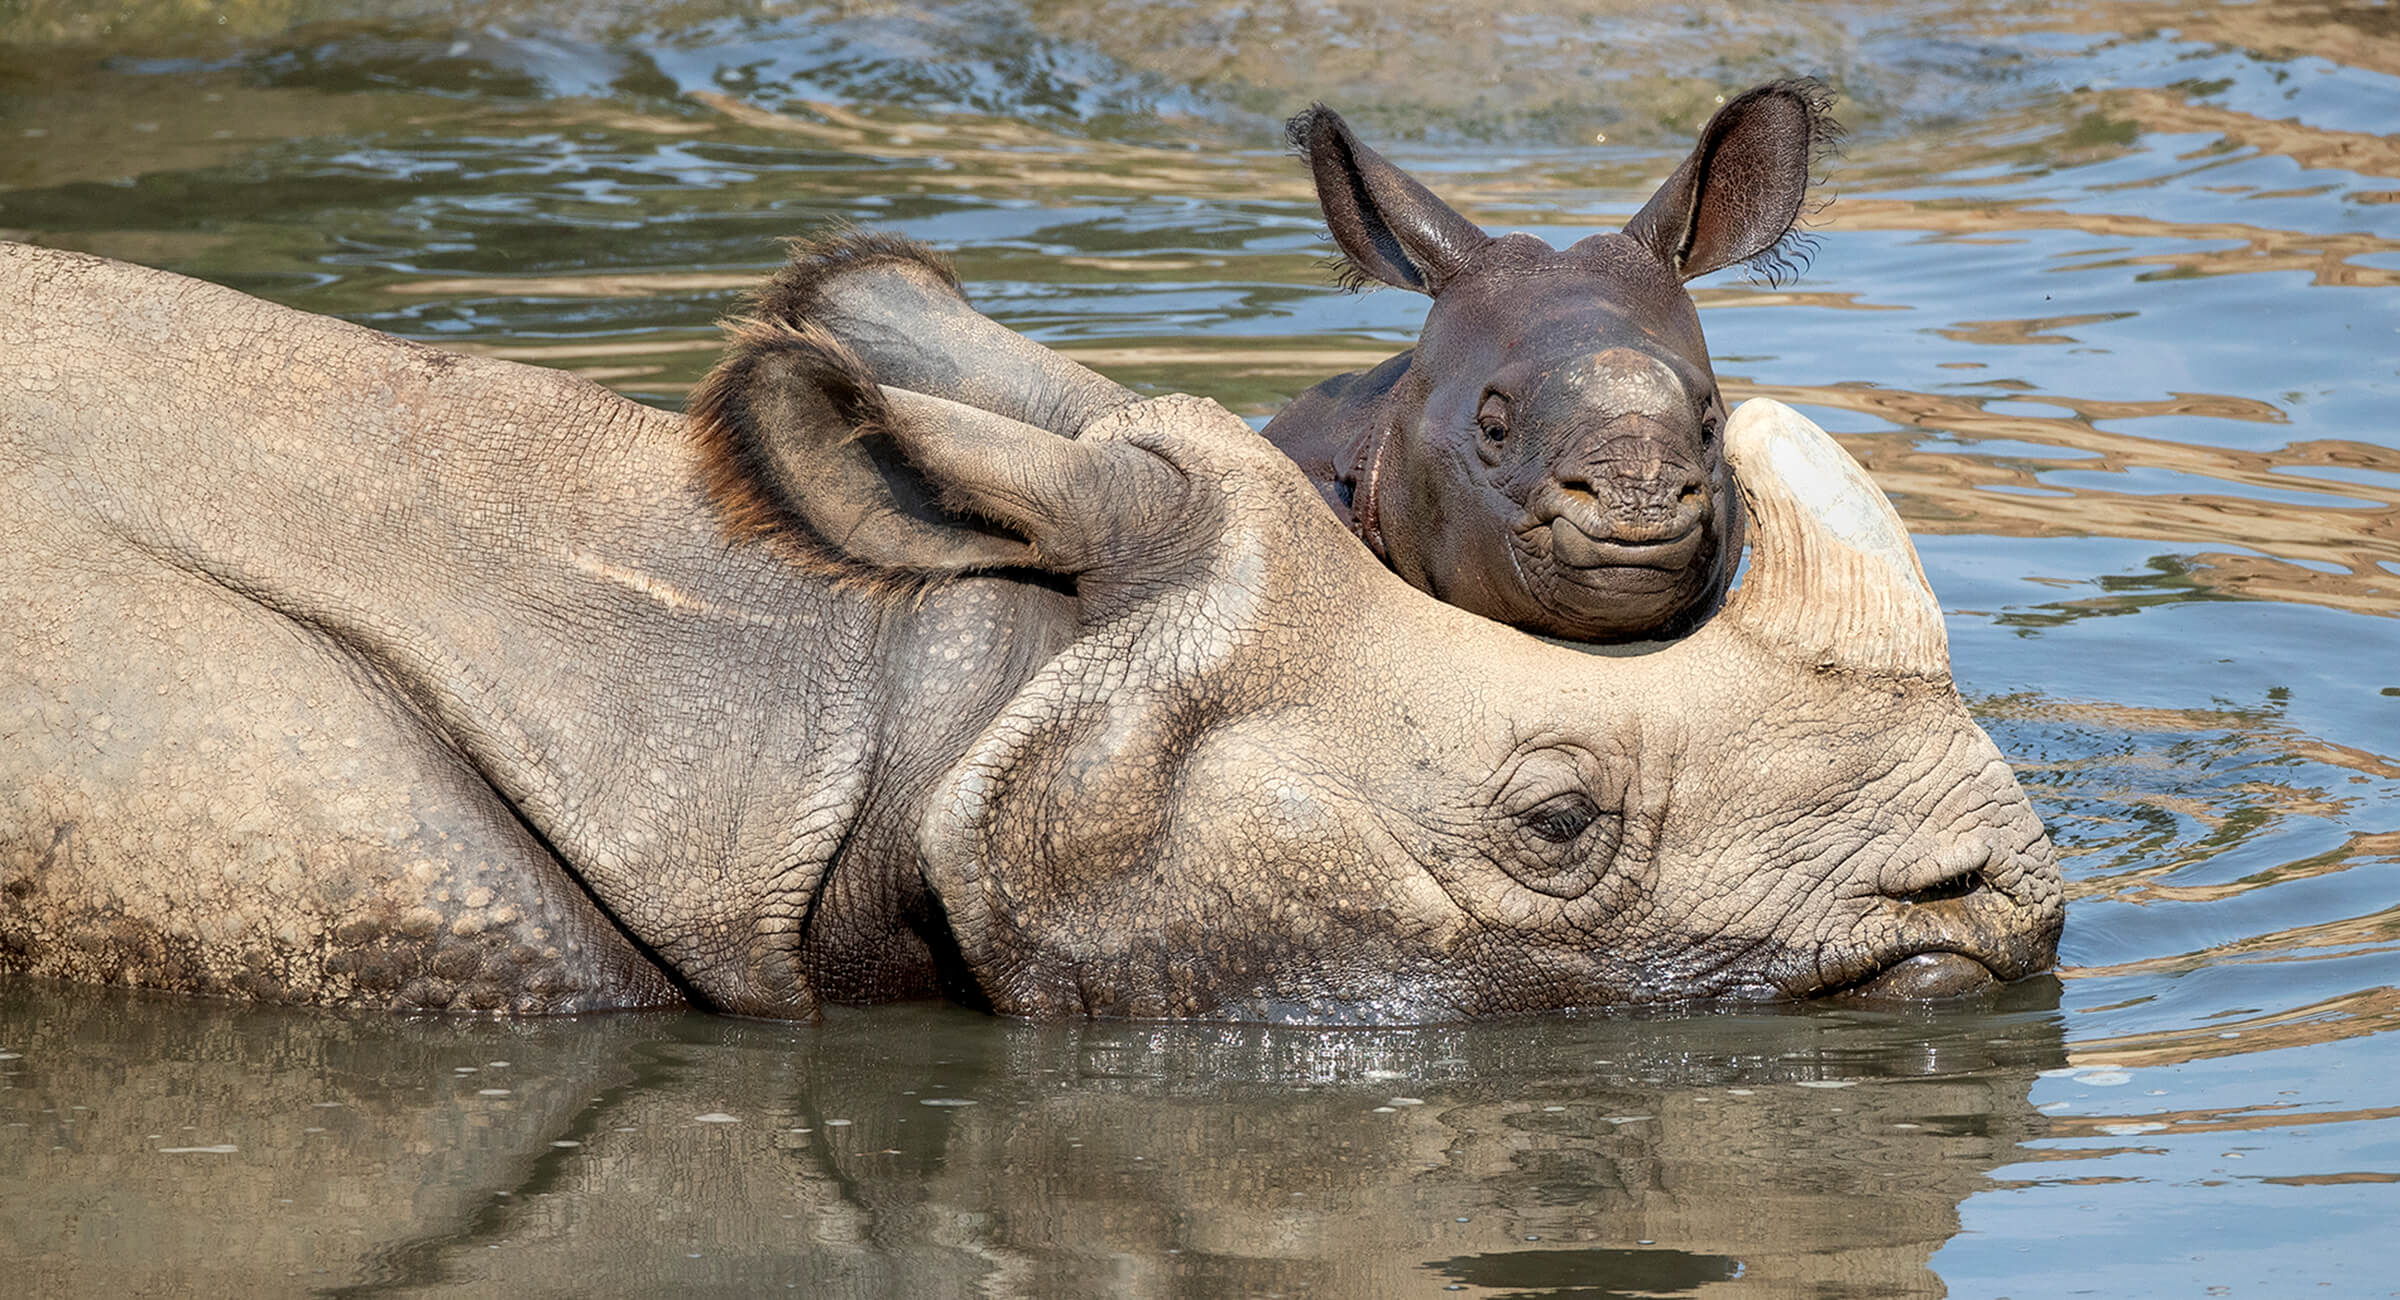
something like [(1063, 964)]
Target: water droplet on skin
[(1408, 1101), (565, 1142), (837, 1123), (716, 1117), (491, 1092), (946, 1101), (1828, 1083), (1385, 1110)]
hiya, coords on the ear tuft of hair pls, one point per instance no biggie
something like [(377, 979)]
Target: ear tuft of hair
[(1301, 125), (1787, 258), (738, 465), (793, 294)]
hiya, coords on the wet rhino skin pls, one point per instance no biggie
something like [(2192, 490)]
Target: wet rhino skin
[(343, 670)]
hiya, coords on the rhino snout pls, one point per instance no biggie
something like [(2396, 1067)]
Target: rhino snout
[(1983, 919), (1664, 508)]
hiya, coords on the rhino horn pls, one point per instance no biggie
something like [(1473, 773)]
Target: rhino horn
[(1834, 581)]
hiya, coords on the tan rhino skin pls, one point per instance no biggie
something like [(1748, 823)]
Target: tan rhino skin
[(344, 670)]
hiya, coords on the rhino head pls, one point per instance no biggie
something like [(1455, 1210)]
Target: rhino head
[(1547, 455), (1262, 776)]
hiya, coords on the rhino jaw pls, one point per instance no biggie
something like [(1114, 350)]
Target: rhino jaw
[(1926, 976), (1577, 550)]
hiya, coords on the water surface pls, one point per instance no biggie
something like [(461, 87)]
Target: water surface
[(2106, 300)]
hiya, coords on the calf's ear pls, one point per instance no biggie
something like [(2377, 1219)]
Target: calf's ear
[(1740, 192), (1389, 227), (803, 446)]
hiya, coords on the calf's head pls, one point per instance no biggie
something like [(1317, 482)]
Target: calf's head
[(1551, 458), (1267, 779)]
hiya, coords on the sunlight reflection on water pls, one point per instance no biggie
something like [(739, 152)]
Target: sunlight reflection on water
[(2109, 300)]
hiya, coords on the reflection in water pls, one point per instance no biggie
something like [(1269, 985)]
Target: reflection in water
[(935, 1152), (2105, 300)]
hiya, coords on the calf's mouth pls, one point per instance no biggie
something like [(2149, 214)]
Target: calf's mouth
[(1572, 547)]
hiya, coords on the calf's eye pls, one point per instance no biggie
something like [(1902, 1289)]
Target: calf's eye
[(1492, 417)]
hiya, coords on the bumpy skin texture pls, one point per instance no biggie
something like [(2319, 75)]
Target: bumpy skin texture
[(345, 671), (1549, 453)]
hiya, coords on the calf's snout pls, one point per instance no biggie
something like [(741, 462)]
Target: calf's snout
[(1630, 499)]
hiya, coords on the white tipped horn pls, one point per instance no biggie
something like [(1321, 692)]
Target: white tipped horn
[(1833, 580)]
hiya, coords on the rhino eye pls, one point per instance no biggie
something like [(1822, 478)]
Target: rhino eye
[(1492, 417), (1562, 818), (1710, 427)]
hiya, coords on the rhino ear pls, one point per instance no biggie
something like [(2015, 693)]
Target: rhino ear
[(897, 306), (802, 445), (1390, 228), (1738, 195)]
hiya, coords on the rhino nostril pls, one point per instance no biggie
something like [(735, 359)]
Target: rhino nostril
[(1958, 886)]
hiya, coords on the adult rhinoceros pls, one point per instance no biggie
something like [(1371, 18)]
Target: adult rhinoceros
[(342, 670)]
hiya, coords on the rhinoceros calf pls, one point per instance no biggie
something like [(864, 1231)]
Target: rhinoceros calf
[(1548, 454), (343, 670)]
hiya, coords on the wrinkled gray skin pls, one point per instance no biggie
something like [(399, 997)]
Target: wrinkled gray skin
[(1548, 454), (343, 670)]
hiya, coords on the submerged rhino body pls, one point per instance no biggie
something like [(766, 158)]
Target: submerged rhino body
[(343, 670), (1550, 454)]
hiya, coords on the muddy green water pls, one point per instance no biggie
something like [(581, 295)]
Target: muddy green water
[(2109, 301)]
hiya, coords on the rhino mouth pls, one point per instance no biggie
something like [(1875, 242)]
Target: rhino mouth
[(1922, 977), (1571, 547)]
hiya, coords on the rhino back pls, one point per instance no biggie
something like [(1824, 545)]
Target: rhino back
[(355, 671)]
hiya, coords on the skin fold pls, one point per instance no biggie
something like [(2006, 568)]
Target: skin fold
[(347, 671)]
